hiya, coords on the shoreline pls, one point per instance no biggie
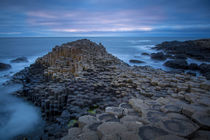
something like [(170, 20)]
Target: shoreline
[(89, 87)]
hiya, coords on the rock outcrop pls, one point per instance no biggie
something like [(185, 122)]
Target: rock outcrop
[(4, 66), (180, 51), (197, 49), (19, 60), (86, 93), (158, 56), (136, 61)]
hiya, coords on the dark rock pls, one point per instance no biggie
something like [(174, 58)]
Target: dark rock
[(180, 56), (205, 70), (177, 64), (144, 53), (158, 56), (4, 66), (193, 66), (19, 60), (202, 135), (136, 61), (150, 132), (65, 114), (191, 73), (197, 49)]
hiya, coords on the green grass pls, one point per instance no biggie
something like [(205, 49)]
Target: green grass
[(92, 111), (72, 123)]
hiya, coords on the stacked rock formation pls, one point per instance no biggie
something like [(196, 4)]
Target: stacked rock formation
[(73, 58), (80, 81)]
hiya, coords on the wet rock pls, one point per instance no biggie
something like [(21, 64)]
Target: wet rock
[(193, 66), (4, 66), (19, 60), (205, 70), (171, 108), (150, 132), (178, 124), (65, 114), (153, 116), (169, 137), (201, 135), (136, 61), (158, 56), (73, 134), (104, 117), (110, 137), (129, 118), (74, 131), (139, 105), (111, 128), (129, 135), (117, 111), (191, 73), (197, 49), (86, 120), (177, 64), (180, 56), (144, 53), (202, 118), (89, 136)]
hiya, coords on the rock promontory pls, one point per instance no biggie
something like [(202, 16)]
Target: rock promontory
[(85, 93), (179, 52)]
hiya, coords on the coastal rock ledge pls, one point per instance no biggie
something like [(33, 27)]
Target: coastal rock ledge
[(86, 93)]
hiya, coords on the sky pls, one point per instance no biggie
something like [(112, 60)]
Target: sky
[(67, 18)]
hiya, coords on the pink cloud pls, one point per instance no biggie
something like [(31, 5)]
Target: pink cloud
[(72, 30)]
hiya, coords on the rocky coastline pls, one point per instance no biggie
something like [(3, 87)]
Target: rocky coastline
[(86, 93), (178, 52)]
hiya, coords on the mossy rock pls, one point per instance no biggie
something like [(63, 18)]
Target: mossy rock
[(72, 123)]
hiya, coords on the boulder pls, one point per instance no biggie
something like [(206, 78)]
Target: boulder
[(86, 120), (19, 60), (177, 64), (111, 128), (151, 132), (129, 136), (136, 61), (202, 118), (4, 66), (205, 70), (158, 56), (201, 135), (105, 117), (178, 124), (139, 106), (88, 136), (193, 66), (117, 111), (144, 53), (180, 56), (65, 114)]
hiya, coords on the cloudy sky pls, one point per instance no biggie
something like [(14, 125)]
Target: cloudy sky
[(53, 18)]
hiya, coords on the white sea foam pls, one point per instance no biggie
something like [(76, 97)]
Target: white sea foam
[(16, 116)]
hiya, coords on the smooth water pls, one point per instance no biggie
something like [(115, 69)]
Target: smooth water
[(18, 117)]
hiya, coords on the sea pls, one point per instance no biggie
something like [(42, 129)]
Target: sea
[(19, 117)]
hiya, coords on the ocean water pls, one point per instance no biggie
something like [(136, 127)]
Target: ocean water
[(19, 117)]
